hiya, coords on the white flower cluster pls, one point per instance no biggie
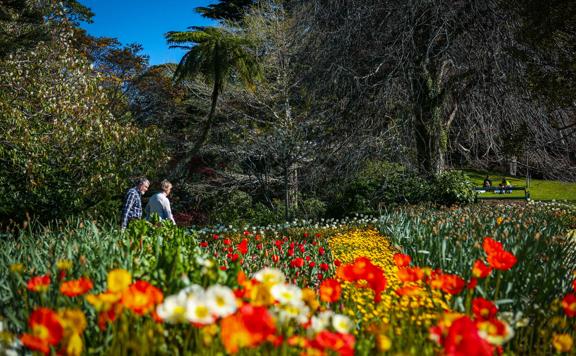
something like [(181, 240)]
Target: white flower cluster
[(196, 305)]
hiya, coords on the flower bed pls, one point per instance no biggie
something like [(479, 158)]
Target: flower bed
[(413, 281)]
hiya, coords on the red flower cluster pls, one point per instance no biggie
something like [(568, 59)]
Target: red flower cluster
[(460, 337), (497, 257), (342, 344), (38, 283), (449, 283), (250, 326), (364, 269)]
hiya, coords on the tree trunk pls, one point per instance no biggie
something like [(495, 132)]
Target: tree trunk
[(181, 169), (290, 189)]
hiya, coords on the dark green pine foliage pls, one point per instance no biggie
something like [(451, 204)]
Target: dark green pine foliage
[(226, 9)]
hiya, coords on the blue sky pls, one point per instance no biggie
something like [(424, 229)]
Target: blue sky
[(145, 22)]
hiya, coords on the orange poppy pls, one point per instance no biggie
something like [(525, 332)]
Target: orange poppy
[(410, 274), (402, 260), (330, 290), (76, 287), (141, 297)]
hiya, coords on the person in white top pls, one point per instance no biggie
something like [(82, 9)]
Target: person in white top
[(159, 203)]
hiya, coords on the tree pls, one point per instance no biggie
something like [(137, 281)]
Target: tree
[(219, 55), (62, 152), (231, 10)]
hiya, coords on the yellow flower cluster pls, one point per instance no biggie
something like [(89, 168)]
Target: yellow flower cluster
[(421, 310)]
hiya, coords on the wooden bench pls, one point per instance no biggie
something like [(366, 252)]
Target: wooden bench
[(496, 194)]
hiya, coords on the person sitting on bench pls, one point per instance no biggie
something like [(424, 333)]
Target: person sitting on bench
[(487, 182), (504, 186)]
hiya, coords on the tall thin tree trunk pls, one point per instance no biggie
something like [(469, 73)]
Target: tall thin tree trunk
[(182, 165)]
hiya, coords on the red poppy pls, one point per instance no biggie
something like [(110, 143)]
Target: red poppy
[(243, 246), (435, 280), (337, 263), (402, 260), (203, 244), (76, 287), (39, 283), (410, 274), (321, 250), (297, 262), (483, 309), (569, 304), (363, 269), (275, 258), (480, 270), (501, 260), (324, 266), (248, 327), (463, 339), (46, 331), (342, 344), (490, 245), (452, 284), (312, 264), (330, 290)]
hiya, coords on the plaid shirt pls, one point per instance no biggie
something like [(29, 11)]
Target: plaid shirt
[(132, 206)]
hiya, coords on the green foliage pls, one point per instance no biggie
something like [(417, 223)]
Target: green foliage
[(62, 151), (226, 9), (453, 187), (239, 209)]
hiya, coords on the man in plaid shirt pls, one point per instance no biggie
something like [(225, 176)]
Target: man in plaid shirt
[(132, 203)]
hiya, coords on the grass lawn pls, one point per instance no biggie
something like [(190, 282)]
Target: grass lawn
[(539, 189)]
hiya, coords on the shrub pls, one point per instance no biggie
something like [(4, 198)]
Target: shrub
[(62, 150), (453, 187)]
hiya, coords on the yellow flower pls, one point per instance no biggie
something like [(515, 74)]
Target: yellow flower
[(103, 301), (309, 297), (383, 343), (562, 342), (73, 320), (118, 280), (74, 346), (64, 265), (17, 268), (499, 220)]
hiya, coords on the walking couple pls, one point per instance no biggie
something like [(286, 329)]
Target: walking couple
[(157, 204)]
